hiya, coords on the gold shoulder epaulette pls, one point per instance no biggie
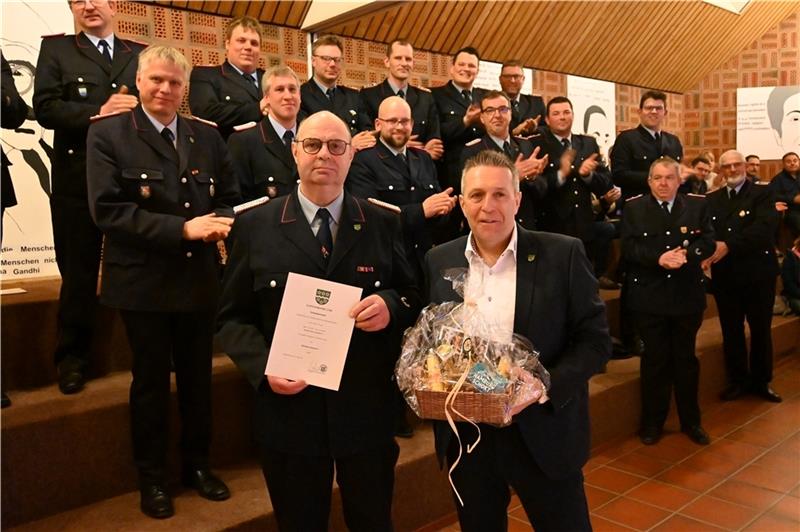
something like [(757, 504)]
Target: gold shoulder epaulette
[(245, 126), (95, 118), (202, 121)]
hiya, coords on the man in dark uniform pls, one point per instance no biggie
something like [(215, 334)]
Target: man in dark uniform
[(786, 188), (458, 104), (262, 151), (161, 189), (400, 62), (403, 176), (636, 149), (753, 168), (495, 117), (575, 172), (527, 110), (695, 182), (230, 94), (743, 272), (665, 236), (323, 93), (305, 431), (77, 77)]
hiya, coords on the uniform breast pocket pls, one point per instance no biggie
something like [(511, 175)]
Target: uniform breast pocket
[(81, 86), (143, 183), (206, 184), (270, 287)]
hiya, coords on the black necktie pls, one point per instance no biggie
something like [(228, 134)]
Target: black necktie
[(167, 135), (658, 143), (732, 193), (105, 52), (514, 104), (665, 206), (250, 79), (329, 94), (467, 96), (565, 143), (288, 136), (401, 94), (324, 234), (507, 150)]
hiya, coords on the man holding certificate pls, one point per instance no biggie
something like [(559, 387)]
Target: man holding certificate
[(321, 232)]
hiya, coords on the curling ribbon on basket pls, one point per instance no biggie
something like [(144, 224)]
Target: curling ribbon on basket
[(448, 405)]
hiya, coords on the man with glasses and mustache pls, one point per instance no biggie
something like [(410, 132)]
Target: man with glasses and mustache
[(230, 94), (400, 62), (306, 432), (495, 115), (78, 77), (323, 92)]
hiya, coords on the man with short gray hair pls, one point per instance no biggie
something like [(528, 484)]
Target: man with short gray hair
[(665, 236), (262, 151)]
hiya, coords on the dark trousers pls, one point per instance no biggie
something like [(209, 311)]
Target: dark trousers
[(669, 360), (500, 460), (300, 488), (77, 244), (598, 245), (750, 300), (155, 338)]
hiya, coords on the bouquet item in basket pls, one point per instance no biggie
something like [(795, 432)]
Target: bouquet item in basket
[(453, 364)]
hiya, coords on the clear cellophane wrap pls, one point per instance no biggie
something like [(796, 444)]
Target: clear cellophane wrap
[(452, 367)]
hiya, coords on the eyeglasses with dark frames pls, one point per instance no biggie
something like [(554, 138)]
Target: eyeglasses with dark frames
[(504, 109), (404, 122), (328, 59), (312, 146)]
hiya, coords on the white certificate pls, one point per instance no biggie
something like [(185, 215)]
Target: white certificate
[(313, 331)]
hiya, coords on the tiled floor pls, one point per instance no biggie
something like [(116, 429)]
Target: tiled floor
[(747, 479)]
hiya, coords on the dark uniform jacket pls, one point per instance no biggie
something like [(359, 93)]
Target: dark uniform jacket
[(529, 106), (747, 224), (648, 232), (785, 188), (633, 153), (72, 82), (694, 185), (377, 173), (141, 191), (533, 191), (264, 165), (346, 103), (275, 239), (568, 208), (13, 113), (423, 109), (452, 107), (558, 309), (223, 95)]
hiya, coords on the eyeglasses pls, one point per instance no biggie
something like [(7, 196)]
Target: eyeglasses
[(312, 146), (403, 122), (512, 77), (492, 110), (656, 108), (328, 59), (81, 4)]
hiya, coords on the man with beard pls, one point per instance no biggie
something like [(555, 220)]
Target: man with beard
[(229, 94), (403, 176), (323, 92), (743, 271), (400, 62), (786, 188), (495, 115), (753, 168), (526, 110), (262, 152), (77, 77)]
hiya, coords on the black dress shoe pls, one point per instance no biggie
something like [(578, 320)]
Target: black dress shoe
[(206, 483), (70, 380), (650, 435), (6, 401), (156, 502), (732, 392), (765, 392), (697, 435)]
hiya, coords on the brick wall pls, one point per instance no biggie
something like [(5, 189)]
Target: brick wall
[(709, 110)]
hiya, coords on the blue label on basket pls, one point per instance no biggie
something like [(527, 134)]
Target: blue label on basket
[(486, 380)]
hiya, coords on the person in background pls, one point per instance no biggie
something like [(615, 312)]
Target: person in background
[(695, 182), (753, 168), (790, 273), (527, 111), (786, 188)]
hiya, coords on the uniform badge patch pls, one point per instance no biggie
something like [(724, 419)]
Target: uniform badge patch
[(144, 191), (272, 191)]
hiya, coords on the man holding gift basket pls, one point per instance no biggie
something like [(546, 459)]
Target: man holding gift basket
[(518, 283)]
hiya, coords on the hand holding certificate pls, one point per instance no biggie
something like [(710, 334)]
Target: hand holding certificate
[(313, 332)]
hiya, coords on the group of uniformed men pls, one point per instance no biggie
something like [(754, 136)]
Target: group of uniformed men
[(160, 197)]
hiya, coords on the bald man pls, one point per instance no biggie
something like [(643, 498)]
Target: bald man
[(395, 173)]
